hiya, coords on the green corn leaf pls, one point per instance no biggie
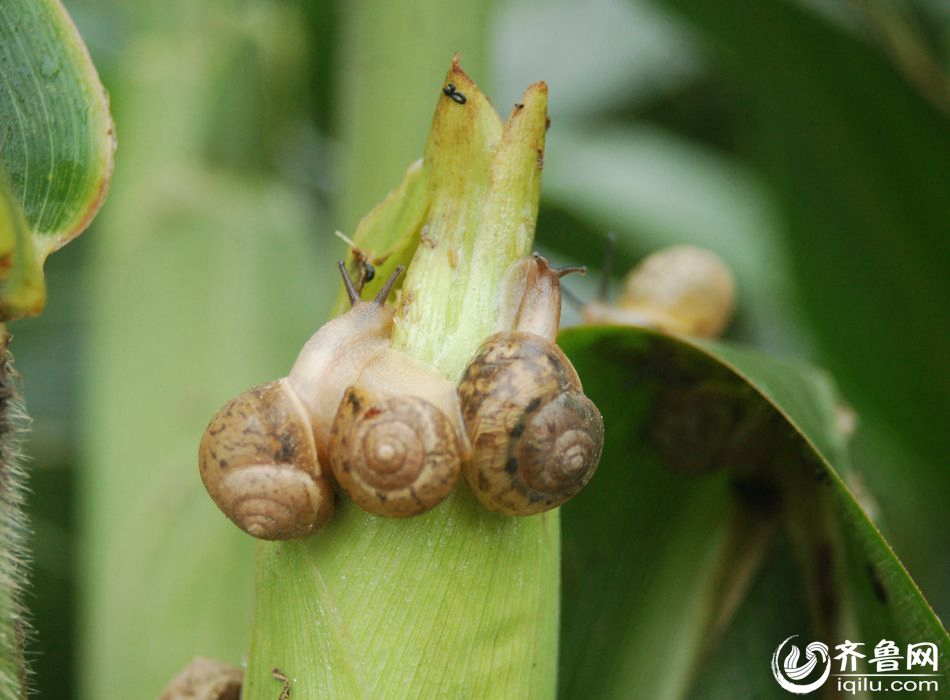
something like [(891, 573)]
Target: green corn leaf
[(716, 459), (859, 161), (56, 142), (389, 234)]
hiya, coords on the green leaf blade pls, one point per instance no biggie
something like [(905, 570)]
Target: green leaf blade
[(623, 629), (389, 234), (860, 163), (56, 134)]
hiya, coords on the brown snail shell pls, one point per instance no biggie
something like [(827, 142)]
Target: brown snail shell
[(258, 461), (536, 438), (681, 289), (396, 457)]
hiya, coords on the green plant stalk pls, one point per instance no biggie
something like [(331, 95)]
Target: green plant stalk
[(459, 602), (24, 282), (204, 281), (14, 554)]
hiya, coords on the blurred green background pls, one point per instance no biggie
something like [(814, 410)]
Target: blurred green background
[(805, 141)]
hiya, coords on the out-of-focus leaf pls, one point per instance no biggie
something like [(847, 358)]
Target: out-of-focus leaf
[(708, 449), (738, 664), (204, 282), (390, 69), (861, 164), (655, 189), (56, 136), (658, 188), (204, 298), (594, 56)]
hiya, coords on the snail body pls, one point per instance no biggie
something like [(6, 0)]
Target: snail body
[(261, 458), (682, 289), (333, 359), (535, 437)]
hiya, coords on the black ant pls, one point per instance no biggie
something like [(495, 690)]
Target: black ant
[(449, 91), (369, 272)]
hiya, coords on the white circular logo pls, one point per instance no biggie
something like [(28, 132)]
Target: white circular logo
[(790, 675)]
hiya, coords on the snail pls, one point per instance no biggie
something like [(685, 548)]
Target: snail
[(535, 437), (258, 461), (396, 445), (260, 458), (681, 289)]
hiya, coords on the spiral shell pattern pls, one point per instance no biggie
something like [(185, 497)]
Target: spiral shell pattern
[(536, 438), (258, 461), (396, 457)]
